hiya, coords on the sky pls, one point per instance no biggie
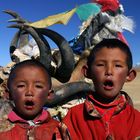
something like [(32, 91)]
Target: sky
[(34, 10)]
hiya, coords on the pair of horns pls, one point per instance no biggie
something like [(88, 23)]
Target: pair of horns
[(64, 69)]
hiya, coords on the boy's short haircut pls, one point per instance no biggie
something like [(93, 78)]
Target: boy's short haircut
[(111, 43), (30, 62)]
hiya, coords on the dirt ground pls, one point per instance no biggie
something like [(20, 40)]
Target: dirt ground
[(133, 89)]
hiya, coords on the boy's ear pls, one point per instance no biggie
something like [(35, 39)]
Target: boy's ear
[(85, 71), (7, 94), (131, 75), (50, 95)]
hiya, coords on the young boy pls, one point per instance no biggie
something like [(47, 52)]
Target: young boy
[(29, 87), (107, 113)]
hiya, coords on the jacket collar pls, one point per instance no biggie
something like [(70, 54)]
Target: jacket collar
[(44, 116), (118, 105)]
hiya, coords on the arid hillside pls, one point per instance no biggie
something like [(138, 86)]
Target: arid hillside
[(133, 89)]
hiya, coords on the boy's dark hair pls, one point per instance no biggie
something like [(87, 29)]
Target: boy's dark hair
[(111, 43), (30, 62)]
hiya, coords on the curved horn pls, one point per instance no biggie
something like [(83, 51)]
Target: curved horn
[(17, 17), (45, 56), (67, 90), (65, 68)]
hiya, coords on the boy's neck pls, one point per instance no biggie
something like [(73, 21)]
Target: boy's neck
[(27, 117), (104, 100)]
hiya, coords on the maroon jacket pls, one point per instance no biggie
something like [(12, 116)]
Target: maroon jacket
[(15, 128), (94, 121)]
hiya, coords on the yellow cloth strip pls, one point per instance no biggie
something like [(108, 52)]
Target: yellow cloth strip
[(61, 18)]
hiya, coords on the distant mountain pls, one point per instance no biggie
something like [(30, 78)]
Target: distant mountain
[(137, 66)]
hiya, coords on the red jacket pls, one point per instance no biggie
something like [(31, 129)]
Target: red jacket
[(43, 128), (94, 121)]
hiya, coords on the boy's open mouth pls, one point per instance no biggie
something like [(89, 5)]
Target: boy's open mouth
[(108, 84), (29, 104)]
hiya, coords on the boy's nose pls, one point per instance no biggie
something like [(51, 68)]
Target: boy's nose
[(109, 70), (29, 92)]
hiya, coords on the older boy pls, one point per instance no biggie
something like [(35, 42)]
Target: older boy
[(29, 87), (107, 113)]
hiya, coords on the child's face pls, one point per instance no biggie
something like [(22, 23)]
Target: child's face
[(29, 90), (109, 71)]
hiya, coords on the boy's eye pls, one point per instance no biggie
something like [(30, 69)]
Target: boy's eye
[(100, 64), (118, 65), (39, 86), (20, 86)]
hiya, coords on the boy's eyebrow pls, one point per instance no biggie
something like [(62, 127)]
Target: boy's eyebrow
[(40, 81), (103, 60), (17, 81)]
